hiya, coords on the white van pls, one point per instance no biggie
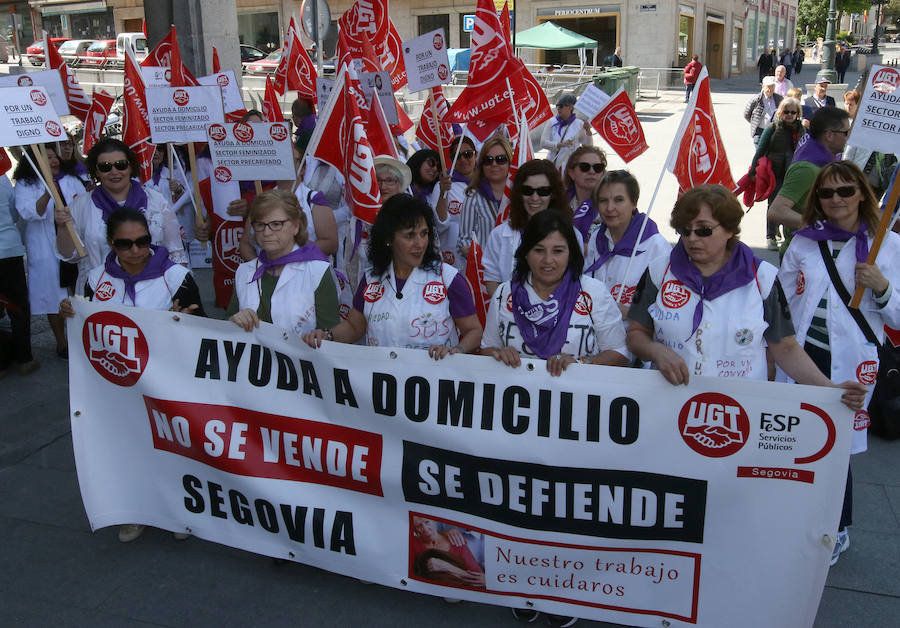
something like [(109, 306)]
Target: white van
[(138, 43)]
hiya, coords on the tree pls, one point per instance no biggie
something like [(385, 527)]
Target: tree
[(814, 13)]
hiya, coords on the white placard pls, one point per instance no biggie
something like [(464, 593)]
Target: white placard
[(591, 101), (324, 87), (156, 76), (182, 114), (27, 116), (877, 124), (249, 151), (200, 253), (231, 93), (427, 64), (380, 83), (50, 80)]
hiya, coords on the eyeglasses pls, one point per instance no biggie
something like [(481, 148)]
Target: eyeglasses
[(844, 191), (467, 154), (700, 232), (273, 225), (840, 131), (388, 180), (124, 244), (497, 159), (586, 167), (121, 165), (543, 191)]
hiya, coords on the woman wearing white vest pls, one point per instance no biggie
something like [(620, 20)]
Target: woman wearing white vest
[(609, 250), (408, 298), (711, 308), (290, 284), (549, 309), (537, 186), (138, 274), (841, 216), (113, 164)]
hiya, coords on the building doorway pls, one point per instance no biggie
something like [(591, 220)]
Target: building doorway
[(715, 42)]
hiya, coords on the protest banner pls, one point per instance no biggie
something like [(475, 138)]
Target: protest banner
[(251, 151), (181, 114), (379, 84), (427, 63), (324, 87), (50, 80), (156, 76), (877, 124), (231, 93), (606, 493)]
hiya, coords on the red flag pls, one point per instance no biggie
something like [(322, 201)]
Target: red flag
[(618, 124), (363, 193), (135, 123), (697, 155), (431, 121), (271, 107), (378, 131), (79, 103), (296, 71), (96, 119), (144, 28), (522, 151), (506, 26), (167, 54), (326, 142), (475, 277), (5, 161), (392, 57), (217, 67)]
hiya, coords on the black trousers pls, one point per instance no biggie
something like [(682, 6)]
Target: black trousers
[(14, 296)]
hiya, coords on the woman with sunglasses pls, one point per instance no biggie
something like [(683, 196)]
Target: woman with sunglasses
[(583, 172), (840, 220), (48, 278), (113, 165), (778, 142), (479, 211), (712, 308), (537, 186), (611, 246), (462, 149), (408, 298), (291, 283)]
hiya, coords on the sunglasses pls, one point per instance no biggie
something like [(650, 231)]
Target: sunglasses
[(586, 167), (700, 232), (790, 112), (845, 191), (124, 244), (467, 154), (105, 166), (543, 191), (498, 159), (273, 225)]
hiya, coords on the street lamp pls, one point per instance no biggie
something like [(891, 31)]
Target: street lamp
[(878, 4), (828, 46)]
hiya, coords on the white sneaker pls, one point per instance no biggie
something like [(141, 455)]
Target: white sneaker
[(130, 531), (841, 545)]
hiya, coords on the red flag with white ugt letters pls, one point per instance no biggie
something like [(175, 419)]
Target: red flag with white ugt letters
[(618, 124), (135, 121), (79, 103), (96, 119)]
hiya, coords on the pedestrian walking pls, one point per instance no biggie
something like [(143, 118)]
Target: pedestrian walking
[(691, 74), (761, 108)]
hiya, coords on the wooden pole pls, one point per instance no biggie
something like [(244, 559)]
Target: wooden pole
[(883, 225), (171, 165), (198, 201), (437, 131), (258, 186), (44, 163)]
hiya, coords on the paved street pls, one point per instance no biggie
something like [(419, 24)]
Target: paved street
[(57, 573)]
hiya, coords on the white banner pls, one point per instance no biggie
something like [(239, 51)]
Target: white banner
[(379, 83), (156, 75), (27, 117), (248, 151), (181, 114), (877, 124), (591, 102), (427, 63), (231, 93), (605, 493), (50, 80)]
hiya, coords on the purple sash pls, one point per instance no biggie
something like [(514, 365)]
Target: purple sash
[(824, 230), (812, 151), (455, 177), (736, 273), (306, 253), (584, 215), (156, 267), (136, 199), (545, 325), (624, 246)]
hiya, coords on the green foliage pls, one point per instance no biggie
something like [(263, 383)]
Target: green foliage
[(844, 36), (812, 13)]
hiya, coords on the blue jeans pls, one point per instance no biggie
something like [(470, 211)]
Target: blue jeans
[(687, 91)]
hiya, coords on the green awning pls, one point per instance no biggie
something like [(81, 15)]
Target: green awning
[(550, 36)]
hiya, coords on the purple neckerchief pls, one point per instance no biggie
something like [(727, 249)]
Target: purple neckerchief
[(584, 217), (812, 151), (624, 246), (737, 272), (306, 253), (561, 124), (423, 191), (155, 268), (824, 230), (455, 177), (79, 169), (157, 173), (485, 189), (545, 325), (136, 199), (307, 123)]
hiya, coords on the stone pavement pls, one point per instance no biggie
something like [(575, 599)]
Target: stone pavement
[(56, 572)]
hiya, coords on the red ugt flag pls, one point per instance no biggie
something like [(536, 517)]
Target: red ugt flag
[(431, 122), (697, 155), (271, 107), (475, 278), (96, 119), (79, 103), (135, 123), (618, 124), (167, 54)]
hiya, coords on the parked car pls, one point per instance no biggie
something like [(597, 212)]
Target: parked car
[(100, 53), (73, 50), (250, 53), (35, 52), (138, 43), (264, 66)]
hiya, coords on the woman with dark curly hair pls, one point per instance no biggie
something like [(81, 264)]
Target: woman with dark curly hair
[(537, 186), (408, 298)]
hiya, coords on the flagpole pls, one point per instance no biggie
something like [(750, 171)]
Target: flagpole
[(639, 235), (437, 130), (198, 211), (458, 147), (512, 101)]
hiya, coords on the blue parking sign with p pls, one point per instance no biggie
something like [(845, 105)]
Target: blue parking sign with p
[(468, 23)]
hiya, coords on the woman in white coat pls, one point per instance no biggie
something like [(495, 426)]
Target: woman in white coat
[(113, 164), (33, 203), (565, 132), (173, 187), (841, 217)]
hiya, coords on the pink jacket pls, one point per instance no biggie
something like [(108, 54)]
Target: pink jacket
[(691, 72)]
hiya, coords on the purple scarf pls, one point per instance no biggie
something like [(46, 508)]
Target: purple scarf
[(156, 267), (157, 173), (455, 177), (136, 199), (484, 188), (544, 326), (306, 253), (423, 191), (624, 246), (812, 151), (560, 124), (584, 215), (823, 230), (736, 273)]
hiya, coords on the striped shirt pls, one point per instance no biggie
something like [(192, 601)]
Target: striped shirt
[(477, 217), (817, 335)]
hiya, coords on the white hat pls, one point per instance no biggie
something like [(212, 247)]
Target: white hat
[(768, 80), (399, 166)]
